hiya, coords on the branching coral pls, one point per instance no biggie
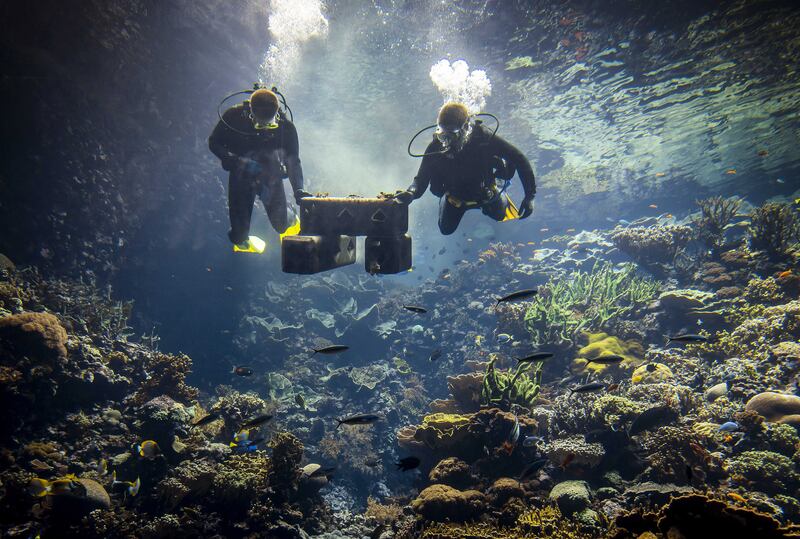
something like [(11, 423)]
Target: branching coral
[(166, 376), (504, 389), (715, 214), (774, 228), (586, 301)]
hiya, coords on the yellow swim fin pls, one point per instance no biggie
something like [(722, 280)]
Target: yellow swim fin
[(511, 210), (292, 230), (254, 244)]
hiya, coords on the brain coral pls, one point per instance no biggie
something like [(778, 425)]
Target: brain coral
[(441, 503), (36, 334)]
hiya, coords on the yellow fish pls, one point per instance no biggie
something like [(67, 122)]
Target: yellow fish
[(66, 485), (148, 449)]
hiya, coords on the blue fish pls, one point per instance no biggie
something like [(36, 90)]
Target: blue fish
[(245, 448), (730, 426)]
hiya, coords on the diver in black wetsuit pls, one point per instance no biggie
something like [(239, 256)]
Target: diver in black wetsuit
[(259, 148), (461, 166)]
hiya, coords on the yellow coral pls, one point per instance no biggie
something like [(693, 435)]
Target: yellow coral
[(602, 344), (705, 428), (445, 424), (651, 374)]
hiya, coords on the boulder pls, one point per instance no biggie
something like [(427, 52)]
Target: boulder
[(441, 503), (776, 407), (571, 496)]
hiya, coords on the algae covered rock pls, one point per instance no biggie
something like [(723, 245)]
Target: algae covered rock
[(37, 335), (776, 407), (684, 300), (453, 472), (571, 496), (771, 472), (441, 503), (504, 489), (652, 373), (96, 497)]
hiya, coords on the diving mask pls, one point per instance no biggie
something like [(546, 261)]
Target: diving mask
[(453, 138), (261, 124)]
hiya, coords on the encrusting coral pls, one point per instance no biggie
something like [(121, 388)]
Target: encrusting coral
[(653, 245)]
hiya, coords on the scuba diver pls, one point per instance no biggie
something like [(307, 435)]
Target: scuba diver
[(462, 165), (258, 146)]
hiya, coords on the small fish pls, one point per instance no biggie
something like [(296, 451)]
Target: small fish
[(531, 469), (436, 354), (504, 338), (570, 230), (240, 437), (371, 462), (531, 441), (332, 349), (780, 180), (148, 449), (587, 388), (68, 485), (249, 446), (102, 467), (256, 421), (40, 466), (443, 250), (651, 367), (359, 419), (785, 274), (653, 206), (519, 294), (669, 216), (513, 436), (763, 153), (651, 418), (730, 171), (567, 460), (131, 487), (729, 426), (611, 388), (407, 463), (660, 174), (242, 371), (736, 497), (536, 356), (300, 401), (205, 420), (415, 309), (687, 338), (608, 359)]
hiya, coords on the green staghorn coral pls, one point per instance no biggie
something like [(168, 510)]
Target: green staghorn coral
[(586, 301), (506, 388)]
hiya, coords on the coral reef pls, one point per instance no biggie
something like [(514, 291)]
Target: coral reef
[(716, 213), (504, 389), (441, 503), (653, 245), (774, 229), (586, 301)]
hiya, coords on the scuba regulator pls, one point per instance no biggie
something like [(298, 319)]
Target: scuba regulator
[(283, 110), (445, 150)]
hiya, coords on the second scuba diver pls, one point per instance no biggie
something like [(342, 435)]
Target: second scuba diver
[(462, 165), (259, 148)]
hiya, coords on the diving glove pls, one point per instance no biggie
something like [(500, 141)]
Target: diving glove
[(404, 197), (526, 207), (300, 194)]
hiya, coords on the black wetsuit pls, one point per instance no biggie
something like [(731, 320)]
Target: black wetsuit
[(272, 155), (468, 176)]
